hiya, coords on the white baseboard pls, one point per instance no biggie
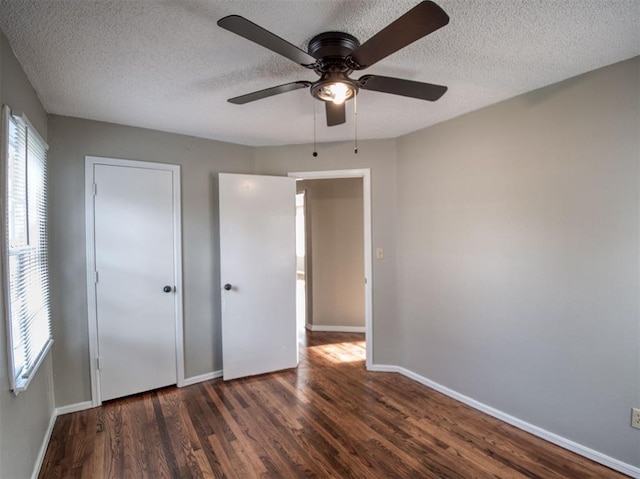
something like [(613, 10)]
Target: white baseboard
[(335, 329), (384, 368), (565, 443), (202, 378), (80, 406), (43, 447)]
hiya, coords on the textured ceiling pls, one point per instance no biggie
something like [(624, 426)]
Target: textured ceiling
[(166, 65)]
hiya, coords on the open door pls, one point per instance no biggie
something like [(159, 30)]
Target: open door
[(257, 274)]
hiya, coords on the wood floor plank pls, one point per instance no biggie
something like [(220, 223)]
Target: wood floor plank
[(233, 426), (133, 457), (329, 418), (179, 437)]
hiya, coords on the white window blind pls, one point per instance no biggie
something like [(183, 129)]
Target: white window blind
[(25, 246)]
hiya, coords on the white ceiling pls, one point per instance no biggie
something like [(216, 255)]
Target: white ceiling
[(166, 65)]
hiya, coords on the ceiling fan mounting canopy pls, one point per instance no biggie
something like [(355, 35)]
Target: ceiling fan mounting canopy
[(333, 50), (335, 55)]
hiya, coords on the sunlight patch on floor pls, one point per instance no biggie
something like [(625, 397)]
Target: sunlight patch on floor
[(349, 352)]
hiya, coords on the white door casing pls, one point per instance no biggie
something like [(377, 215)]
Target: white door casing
[(257, 260), (133, 250)]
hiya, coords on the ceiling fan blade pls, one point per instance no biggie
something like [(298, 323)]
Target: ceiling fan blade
[(249, 30), (398, 86), (336, 114), (267, 92), (421, 20)]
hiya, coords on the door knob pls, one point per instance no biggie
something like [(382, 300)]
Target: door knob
[(167, 289), (227, 287)]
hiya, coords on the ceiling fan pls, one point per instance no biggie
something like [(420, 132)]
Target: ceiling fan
[(335, 55)]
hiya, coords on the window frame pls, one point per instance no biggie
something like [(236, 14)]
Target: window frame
[(19, 381)]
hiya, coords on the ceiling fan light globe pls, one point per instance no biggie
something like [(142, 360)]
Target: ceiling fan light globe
[(337, 92), (340, 92)]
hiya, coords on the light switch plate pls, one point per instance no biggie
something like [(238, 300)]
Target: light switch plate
[(379, 253), (635, 417)]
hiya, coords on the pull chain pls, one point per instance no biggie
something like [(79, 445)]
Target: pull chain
[(315, 144), (355, 117)]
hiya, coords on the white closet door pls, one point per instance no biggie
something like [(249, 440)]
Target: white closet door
[(135, 299)]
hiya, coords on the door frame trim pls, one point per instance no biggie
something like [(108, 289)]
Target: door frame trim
[(365, 174), (90, 162)]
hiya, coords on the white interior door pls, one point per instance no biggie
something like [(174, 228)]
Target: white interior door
[(258, 265), (135, 281)]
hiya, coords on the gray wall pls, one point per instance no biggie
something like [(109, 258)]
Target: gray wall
[(518, 266), (24, 419), (380, 156), (200, 160), (335, 228)]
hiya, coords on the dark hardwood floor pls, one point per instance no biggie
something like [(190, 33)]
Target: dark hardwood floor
[(328, 419)]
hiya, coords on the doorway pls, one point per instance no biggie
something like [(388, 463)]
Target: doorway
[(363, 176), (258, 269)]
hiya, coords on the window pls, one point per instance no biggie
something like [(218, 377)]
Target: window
[(25, 249)]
